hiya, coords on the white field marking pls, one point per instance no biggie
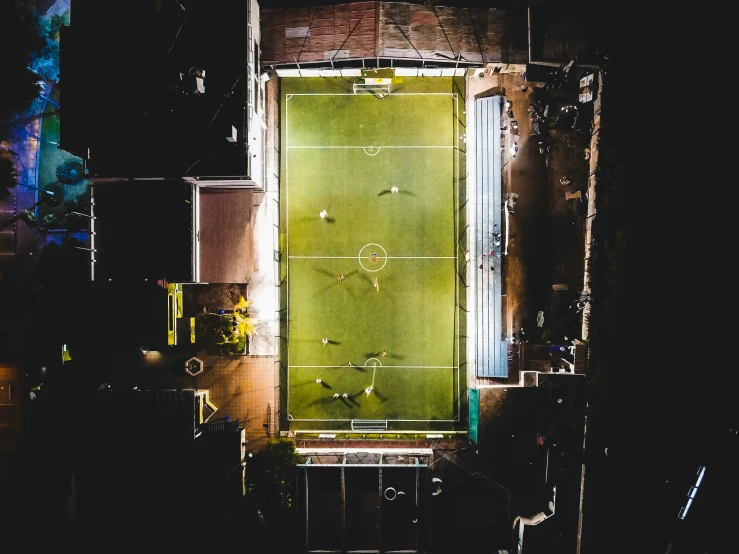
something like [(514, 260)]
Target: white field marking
[(371, 147), (387, 257), (287, 215), (375, 270), (387, 432), (287, 236), (399, 432), (352, 94), (386, 366), (456, 241), (365, 147)]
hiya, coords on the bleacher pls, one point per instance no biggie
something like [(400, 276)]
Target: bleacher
[(491, 354)]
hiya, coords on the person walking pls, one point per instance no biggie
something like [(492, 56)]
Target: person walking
[(324, 341), (341, 278), (377, 284), (383, 354), (345, 395), (318, 380), (336, 395)]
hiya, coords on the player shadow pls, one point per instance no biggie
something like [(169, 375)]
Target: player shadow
[(353, 398), (373, 354), (329, 219), (326, 273), (371, 287), (325, 400), (388, 191), (334, 342), (395, 356), (338, 83), (382, 397), (325, 385), (359, 368)]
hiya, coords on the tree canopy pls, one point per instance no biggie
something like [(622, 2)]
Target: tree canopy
[(271, 478), (30, 54)]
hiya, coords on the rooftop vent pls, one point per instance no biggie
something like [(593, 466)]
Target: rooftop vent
[(199, 75)]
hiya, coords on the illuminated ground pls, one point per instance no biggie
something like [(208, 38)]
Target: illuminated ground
[(343, 153)]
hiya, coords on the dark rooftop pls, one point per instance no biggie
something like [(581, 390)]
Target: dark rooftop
[(144, 231), (130, 93), (149, 415)]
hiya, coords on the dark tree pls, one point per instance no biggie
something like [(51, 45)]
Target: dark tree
[(271, 479), (63, 263), (23, 41), (8, 174)]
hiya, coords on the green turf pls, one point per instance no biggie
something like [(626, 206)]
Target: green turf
[(398, 394), (363, 120), (346, 183), (325, 166)]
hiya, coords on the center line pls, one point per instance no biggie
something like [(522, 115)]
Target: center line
[(374, 146), (388, 257)]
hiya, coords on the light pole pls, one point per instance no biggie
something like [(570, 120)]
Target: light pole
[(37, 188)]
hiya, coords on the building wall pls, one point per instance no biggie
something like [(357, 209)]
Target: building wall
[(10, 412), (256, 98)]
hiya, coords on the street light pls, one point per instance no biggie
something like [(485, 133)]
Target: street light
[(37, 188)]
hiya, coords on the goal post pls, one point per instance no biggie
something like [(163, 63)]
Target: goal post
[(373, 86), (369, 425)]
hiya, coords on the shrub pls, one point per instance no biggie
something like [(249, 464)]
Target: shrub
[(29, 217), (49, 221), (74, 222), (70, 172)]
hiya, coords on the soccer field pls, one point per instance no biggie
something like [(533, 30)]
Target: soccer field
[(397, 250)]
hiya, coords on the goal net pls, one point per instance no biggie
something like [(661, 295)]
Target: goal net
[(369, 425), (373, 86)]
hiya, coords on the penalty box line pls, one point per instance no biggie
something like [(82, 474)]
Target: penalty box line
[(380, 367), (371, 146)]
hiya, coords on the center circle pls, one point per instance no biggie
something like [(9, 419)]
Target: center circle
[(372, 257)]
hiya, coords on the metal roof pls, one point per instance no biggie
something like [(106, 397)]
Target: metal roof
[(406, 32)]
